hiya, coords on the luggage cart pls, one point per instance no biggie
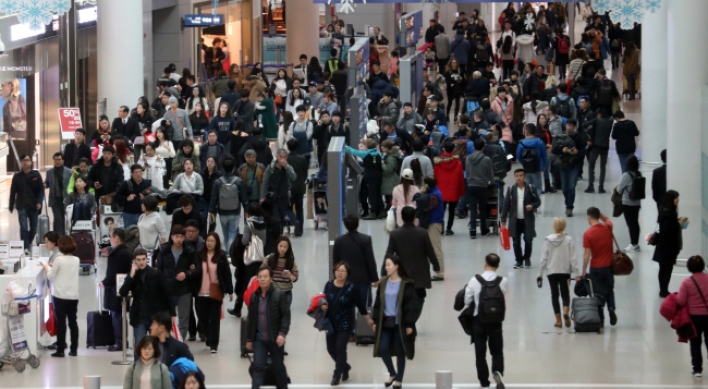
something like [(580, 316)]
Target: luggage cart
[(319, 204), (12, 312), (493, 222), (84, 233)]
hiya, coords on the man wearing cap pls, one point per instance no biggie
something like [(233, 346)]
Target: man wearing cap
[(244, 110), (314, 95), (440, 115)]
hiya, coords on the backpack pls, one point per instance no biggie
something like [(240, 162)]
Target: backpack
[(254, 251), (605, 94), (499, 164), (639, 184), (564, 107), (491, 306), (564, 45), (482, 54), (228, 195), (530, 159), (472, 106), (180, 367)]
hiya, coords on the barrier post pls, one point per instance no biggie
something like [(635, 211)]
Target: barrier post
[(124, 361), (92, 382), (443, 379)]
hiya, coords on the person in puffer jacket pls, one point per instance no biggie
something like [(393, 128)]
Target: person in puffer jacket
[(503, 105), (389, 108), (373, 175), (559, 259), (450, 175)]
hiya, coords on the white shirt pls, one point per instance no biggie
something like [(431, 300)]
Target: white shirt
[(65, 274), (520, 202), (474, 288)]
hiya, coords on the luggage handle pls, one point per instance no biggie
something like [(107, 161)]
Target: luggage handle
[(100, 298), (592, 292)]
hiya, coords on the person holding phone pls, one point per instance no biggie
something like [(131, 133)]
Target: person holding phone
[(285, 271), (559, 259)]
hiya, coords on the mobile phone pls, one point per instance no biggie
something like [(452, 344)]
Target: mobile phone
[(539, 282)]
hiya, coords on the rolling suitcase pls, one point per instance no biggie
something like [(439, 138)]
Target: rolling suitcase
[(85, 248), (42, 224), (584, 311), (100, 326), (244, 324), (363, 333)]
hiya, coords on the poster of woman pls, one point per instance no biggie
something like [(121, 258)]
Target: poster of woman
[(14, 108)]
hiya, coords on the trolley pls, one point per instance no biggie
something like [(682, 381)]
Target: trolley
[(319, 202), (83, 230), (493, 205), (18, 347)]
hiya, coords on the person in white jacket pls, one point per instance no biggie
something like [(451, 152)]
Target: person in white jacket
[(559, 260), (154, 165)]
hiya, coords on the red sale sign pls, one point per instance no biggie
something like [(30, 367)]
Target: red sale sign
[(69, 121)]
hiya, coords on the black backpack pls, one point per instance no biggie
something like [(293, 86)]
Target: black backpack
[(491, 305), (605, 94), (482, 53), (530, 160), (639, 185), (564, 107)]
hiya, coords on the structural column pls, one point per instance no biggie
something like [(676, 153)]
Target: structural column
[(120, 53), (686, 85), (654, 84), (302, 20)]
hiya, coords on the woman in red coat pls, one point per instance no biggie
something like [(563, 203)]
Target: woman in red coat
[(449, 173)]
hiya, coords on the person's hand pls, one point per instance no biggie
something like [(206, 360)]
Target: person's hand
[(119, 161), (231, 297), (503, 224), (145, 131), (261, 200), (566, 150), (280, 341), (323, 307), (249, 346), (244, 134), (589, 143), (100, 284), (529, 207), (142, 196), (133, 269), (39, 207), (131, 197), (372, 325), (283, 163), (409, 331), (573, 151), (181, 276), (375, 284)]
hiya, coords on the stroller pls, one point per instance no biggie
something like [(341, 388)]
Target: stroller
[(317, 194)]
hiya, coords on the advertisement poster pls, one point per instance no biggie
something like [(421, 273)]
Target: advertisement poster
[(274, 51), (17, 333), (17, 248), (13, 105)]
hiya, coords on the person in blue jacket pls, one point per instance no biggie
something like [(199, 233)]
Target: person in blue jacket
[(373, 175), (533, 165)]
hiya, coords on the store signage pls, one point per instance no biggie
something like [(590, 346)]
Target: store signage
[(69, 122), (24, 31), (87, 15), (203, 20), (412, 24)]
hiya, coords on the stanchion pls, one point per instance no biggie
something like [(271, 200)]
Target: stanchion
[(92, 382), (124, 361), (443, 379)]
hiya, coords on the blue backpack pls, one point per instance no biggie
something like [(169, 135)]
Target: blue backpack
[(180, 367), (471, 107)]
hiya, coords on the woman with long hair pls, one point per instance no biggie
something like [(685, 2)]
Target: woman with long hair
[(281, 84), (534, 108), (295, 100), (456, 84), (209, 174), (396, 310), (215, 285), (195, 98), (314, 71), (192, 380), (403, 193), (144, 117), (575, 69), (123, 155), (186, 151), (148, 372), (166, 150), (223, 123), (506, 53), (285, 272), (288, 119), (257, 70), (153, 165), (670, 239), (199, 120), (558, 258), (104, 127), (630, 206), (236, 76), (255, 227), (631, 59), (693, 295)]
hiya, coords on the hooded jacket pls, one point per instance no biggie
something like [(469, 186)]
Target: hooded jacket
[(558, 255), (390, 110), (624, 132), (389, 165), (450, 176), (479, 170), (540, 147)]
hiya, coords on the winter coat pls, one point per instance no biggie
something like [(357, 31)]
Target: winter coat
[(408, 311), (150, 295), (355, 249), (677, 315), (442, 46), (126, 189), (391, 177), (186, 263), (259, 144), (507, 115), (598, 131), (529, 115), (120, 260), (541, 151), (479, 170), (558, 255), (246, 112), (459, 47), (450, 176), (179, 159), (96, 175), (631, 63), (408, 122), (509, 209), (670, 240), (204, 151), (390, 110), (413, 245), (278, 314), (400, 200)]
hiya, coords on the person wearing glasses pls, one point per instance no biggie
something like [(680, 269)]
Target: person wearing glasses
[(26, 196)]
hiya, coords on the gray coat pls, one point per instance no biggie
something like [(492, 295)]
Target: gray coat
[(181, 114), (509, 209), (408, 122), (442, 46), (49, 183), (159, 376)]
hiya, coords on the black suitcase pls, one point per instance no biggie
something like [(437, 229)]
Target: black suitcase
[(363, 333), (100, 326), (244, 324)]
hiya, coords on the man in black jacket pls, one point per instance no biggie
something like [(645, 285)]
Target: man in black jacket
[(172, 349), (356, 249), (266, 336), (413, 245), (125, 126), (106, 174), (130, 195), (73, 152), (570, 150), (27, 195), (231, 96), (150, 293), (178, 262), (245, 110), (298, 188), (658, 181), (624, 132), (119, 262), (598, 131), (402, 138)]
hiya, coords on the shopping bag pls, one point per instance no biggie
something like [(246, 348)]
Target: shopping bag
[(504, 238), (252, 287), (51, 323), (390, 220), (175, 330)]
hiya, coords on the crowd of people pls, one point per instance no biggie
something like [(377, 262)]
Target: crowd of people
[(251, 152)]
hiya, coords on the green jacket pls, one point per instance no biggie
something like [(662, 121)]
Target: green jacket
[(391, 176), (409, 309), (159, 376), (179, 159), (270, 125), (72, 181)]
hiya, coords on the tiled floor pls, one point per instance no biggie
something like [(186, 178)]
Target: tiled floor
[(640, 352)]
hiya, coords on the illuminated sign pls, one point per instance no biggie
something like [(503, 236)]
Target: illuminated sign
[(87, 15), (23, 31), (203, 20)]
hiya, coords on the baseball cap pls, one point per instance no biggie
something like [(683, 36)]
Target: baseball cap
[(407, 174), (312, 83)]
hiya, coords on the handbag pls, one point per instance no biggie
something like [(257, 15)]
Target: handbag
[(504, 239), (215, 292), (254, 250), (653, 238), (388, 322), (390, 220), (621, 263), (51, 322), (278, 100)]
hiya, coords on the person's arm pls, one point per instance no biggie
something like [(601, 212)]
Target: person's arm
[(507, 205), (682, 298), (199, 184), (536, 203), (128, 380), (284, 318), (242, 196), (187, 124), (214, 196), (469, 293), (122, 193), (625, 182), (291, 172), (355, 152), (264, 184), (586, 262), (544, 259), (165, 377), (161, 230)]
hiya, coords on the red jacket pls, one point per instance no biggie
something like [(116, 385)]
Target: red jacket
[(450, 175), (677, 315)]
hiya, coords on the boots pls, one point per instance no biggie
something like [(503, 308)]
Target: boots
[(566, 317), (558, 321), (549, 188), (298, 229)]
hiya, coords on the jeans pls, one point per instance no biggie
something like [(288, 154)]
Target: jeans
[(59, 224), (528, 243), (297, 201), (139, 331), (117, 319), (535, 179), (282, 209), (701, 323), (391, 339), (229, 228), (596, 152), (569, 179), (478, 197), (631, 216), (488, 333), (63, 310), (261, 350), (623, 160), (184, 307), (337, 349), (559, 287), (130, 219), (665, 270), (28, 230), (604, 276)]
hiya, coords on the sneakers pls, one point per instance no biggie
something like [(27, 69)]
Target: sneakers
[(527, 264), (449, 232), (632, 248), (518, 265), (213, 351), (613, 318), (473, 234), (696, 374), (601, 190), (437, 277), (335, 381), (498, 379), (569, 213), (233, 312), (590, 189)]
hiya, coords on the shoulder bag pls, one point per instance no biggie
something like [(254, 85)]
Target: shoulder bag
[(184, 129), (698, 288), (215, 292), (621, 263)]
